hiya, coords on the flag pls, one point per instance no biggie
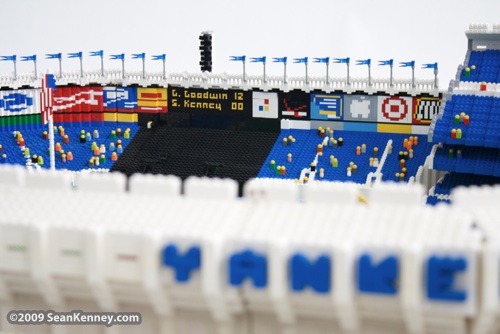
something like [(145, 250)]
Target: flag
[(407, 64), (434, 66), (342, 60), (46, 96), (395, 109), (327, 106), (264, 105), (294, 105), (258, 60), (120, 99), (120, 56), (279, 60), (18, 102), (159, 57), (364, 62), (13, 57), (78, 99), (322, 60), (152, 100), (139, 55), (99, 53), (385, 62), (75, 55), (237, 58), (300, 60), (26, 58), (53, 55)]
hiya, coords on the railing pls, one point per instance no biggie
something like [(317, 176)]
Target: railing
[(225, 81)]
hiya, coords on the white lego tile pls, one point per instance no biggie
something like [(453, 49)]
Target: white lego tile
[(204, 187), (101, 182), (46, 179), (155, 185), (12, 175)]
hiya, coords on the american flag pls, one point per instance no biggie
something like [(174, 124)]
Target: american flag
[(46, 96)]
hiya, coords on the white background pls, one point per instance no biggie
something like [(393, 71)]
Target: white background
[(425, 31)]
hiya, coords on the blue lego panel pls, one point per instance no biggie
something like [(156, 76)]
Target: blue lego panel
[(82, 152), (379, 278), (327, 106), (433, 200), (358, 126), (440, 277), (484, 121), (477, 160), (248, 265), (305, 148), (183, 264), (487, 65), (315, 274), (453, 180)]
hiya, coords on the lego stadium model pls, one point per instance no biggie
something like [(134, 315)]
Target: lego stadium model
[(206, 203)]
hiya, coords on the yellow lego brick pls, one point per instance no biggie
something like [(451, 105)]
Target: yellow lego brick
[(110, 117), (127, 118), (394, 128)]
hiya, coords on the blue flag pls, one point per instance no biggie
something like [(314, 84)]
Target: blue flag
[(75, 55), (342, 60), (139, 55), (120, 56), (258, 60), (322, 60), (364, 62), (279, 60), (50, 81), (434, 66), (407, 64), (159, 57), (386, 62), (237, 58), (300, 60), (54, 55), (27, 58), (8, 57), (99, 53)]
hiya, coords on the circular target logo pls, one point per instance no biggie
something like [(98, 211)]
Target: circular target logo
[(395, 108)]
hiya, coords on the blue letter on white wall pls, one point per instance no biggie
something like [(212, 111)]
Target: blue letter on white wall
[(304, 273), (248, 264), (182, 264), (380, 278), (441, 273)]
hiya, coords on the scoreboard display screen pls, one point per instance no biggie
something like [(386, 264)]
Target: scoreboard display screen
[(211, 101)]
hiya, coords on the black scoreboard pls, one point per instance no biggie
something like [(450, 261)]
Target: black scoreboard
[(209, 101)]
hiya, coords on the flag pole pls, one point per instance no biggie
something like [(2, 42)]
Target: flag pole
[(327, 76), (164, 73), (123, 68), (264, 64), (284, 74), (51, 141), (348, 79), (60, 67), (15, 69), (144, 68), (369, 75), (36, 74), (390, 78), (81, 66), (244, 73), (413, 76), (307, 79), (102, 64), (436, 78)]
